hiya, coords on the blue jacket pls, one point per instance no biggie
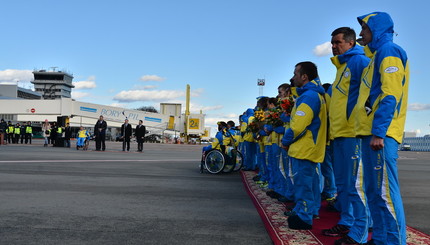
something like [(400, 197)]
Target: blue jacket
[(308, 126), (385, 82), (344, 91)]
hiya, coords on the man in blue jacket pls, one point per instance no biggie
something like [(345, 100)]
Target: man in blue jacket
[(350, 61), (306, 140), (381, 115)]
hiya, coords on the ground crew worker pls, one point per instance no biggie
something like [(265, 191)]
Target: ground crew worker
[(17, 133), (28, 132), (10, 131)]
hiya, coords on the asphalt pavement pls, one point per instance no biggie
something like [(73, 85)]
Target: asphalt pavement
[(51, 195)]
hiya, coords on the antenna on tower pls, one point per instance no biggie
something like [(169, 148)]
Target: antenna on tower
[(54, 68)]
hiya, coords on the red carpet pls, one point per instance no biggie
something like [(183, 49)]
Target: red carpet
[(272, 213)]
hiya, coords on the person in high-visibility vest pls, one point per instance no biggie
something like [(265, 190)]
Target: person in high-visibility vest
[(59, 140), (17, 133), (10, 130), (28, 132)]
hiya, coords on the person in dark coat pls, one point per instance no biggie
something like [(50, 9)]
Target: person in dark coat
[(67, 135), (140, 135), (126, 133), (100, 134)]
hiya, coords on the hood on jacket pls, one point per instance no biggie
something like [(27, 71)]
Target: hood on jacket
[(382, 27), (356, 50), (248, 113), (314, 85)]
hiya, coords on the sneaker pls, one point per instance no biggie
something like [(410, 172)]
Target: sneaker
[(256, 178), (290, 213), (264, 185), (337, 230), (331, 206), (346, 240), (295, 223), (259, 182), (315, 216), (273, 194), (284, 199)]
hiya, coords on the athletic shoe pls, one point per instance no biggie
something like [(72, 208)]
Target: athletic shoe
[(256, 178), (290, 213), (337, 230), (295, 223), (264, 185), (346, 240), (273, 194), (284, 199)]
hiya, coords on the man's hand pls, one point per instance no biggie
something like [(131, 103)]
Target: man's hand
[(284, 147), (376, 143)]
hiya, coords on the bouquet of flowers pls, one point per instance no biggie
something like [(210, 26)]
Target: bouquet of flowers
[(256, 125), (273, 117), (287, 104)]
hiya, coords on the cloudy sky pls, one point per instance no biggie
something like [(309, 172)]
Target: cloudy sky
[(137, 53)]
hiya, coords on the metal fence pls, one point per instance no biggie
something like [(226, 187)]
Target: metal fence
[(418, 143)]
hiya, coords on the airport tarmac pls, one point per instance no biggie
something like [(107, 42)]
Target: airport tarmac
[(55, 195)]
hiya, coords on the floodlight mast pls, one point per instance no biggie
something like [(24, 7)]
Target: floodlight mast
[(260, 84)]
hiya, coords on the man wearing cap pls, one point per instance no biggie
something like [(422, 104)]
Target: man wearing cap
[(381, 115)]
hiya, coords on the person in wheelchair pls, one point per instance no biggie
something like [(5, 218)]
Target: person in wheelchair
[(221, 140), (82, 136)]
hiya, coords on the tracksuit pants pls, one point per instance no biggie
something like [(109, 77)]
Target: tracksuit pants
[(383, 192), (307, 190), (348, 171)]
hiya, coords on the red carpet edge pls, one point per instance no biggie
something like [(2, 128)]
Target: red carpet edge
[(272, 214)]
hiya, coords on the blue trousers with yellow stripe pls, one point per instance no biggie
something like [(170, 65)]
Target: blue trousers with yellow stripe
[(383, 192), (307, 189), (348, 171)]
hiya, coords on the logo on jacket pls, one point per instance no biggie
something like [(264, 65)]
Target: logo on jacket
[(300, 113), (346, 74), (391, 69)]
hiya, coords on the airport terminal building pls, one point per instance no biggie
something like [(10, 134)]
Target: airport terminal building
[(52, 100)]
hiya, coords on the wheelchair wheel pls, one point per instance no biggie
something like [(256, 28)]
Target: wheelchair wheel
[(230, 160), (214, 161), (238, 159)]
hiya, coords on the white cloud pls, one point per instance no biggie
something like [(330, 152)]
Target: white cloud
[(13, 76), (118, 105), (146, 87), (143, 95), (147, 78), (78, 95), (418, 107), (87, 84), (322, 49), (196, 92)]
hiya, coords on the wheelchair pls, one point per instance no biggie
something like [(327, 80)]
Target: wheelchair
[(216, 161)]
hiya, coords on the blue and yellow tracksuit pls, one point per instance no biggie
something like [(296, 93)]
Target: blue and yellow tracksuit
[(249, 145), (329, 187), (82, 135), (383, 89), (346, 155), (306, 139)]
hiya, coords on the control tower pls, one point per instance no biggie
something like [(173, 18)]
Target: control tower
[(53, 84)]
